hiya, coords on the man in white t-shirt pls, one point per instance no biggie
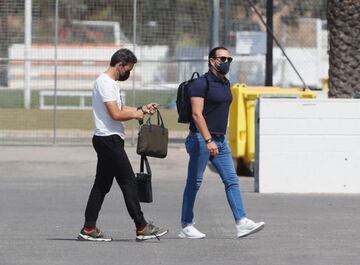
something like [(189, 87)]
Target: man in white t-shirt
[(109, 114)]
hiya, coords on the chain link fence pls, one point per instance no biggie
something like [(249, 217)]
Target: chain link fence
[(50, 56)]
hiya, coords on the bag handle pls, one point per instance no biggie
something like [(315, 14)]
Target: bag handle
[(145, 161), (160, 121)]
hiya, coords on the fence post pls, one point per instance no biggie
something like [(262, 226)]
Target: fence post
[(214, 23), (27, 54), (56, 42), (133, 74), (319, 47), (269, 44)]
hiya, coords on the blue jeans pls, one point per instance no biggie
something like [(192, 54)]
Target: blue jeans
[(199, 157)]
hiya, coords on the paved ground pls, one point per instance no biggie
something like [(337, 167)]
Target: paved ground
[(43, 193)]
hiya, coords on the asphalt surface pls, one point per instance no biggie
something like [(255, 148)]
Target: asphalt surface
[(43, 193)]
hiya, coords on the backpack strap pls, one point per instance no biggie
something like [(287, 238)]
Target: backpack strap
[(206, 92), (193, 75), (207, 85)]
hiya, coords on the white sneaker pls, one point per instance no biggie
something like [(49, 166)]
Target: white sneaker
[(246, 227), (191, 232)]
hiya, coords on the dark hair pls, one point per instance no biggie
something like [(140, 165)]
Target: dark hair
[(212, 53), (123, 56)]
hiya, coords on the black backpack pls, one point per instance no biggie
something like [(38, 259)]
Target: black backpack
[(183, 104)]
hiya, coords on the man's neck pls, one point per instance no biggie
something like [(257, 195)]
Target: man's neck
[(217, 74), (111, 72)]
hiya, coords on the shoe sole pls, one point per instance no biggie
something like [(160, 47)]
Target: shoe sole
[(256, 229), (82, 237), (182, 235), (142, 238)]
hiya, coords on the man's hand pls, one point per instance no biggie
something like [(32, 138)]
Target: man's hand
[(213, 149), (150, 108), (139, 114)]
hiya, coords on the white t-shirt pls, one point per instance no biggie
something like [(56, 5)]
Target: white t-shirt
[(105, 90)]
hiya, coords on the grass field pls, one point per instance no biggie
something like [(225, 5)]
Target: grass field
[(10, 98), (35, 119), (13, 116)]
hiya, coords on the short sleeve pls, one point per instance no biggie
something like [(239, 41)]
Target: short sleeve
[(198, 88), (106, 91)]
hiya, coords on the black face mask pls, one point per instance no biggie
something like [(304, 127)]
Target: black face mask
[(124, 76), (223, 68)]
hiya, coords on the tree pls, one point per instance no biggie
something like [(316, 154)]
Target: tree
[(344, 53)]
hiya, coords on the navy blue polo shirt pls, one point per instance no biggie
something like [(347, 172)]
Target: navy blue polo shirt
[(217, 100)]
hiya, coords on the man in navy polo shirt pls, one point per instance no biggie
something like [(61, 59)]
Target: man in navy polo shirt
[(211, 97)]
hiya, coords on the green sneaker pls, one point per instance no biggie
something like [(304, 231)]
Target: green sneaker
[(149, 232), (94, 235)]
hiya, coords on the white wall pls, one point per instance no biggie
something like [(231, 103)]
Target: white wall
[(74, 73), (308, 146), (79, 65)]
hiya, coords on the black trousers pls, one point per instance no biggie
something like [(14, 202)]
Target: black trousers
[(112, 162)]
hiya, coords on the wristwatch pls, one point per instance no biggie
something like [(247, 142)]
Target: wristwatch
[(141, 108), (209, 140)]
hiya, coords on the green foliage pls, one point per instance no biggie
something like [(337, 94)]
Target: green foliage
[(172, 22)]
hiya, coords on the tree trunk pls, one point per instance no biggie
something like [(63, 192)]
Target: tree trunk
[(344, 53)]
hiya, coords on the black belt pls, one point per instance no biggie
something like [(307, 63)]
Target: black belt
[(215, 135)]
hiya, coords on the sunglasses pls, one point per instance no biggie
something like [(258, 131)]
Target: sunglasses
[(223, 59)]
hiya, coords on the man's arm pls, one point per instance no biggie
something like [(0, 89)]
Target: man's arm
[(149, 108), (125, 114), (197, 107), (129, 113)]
